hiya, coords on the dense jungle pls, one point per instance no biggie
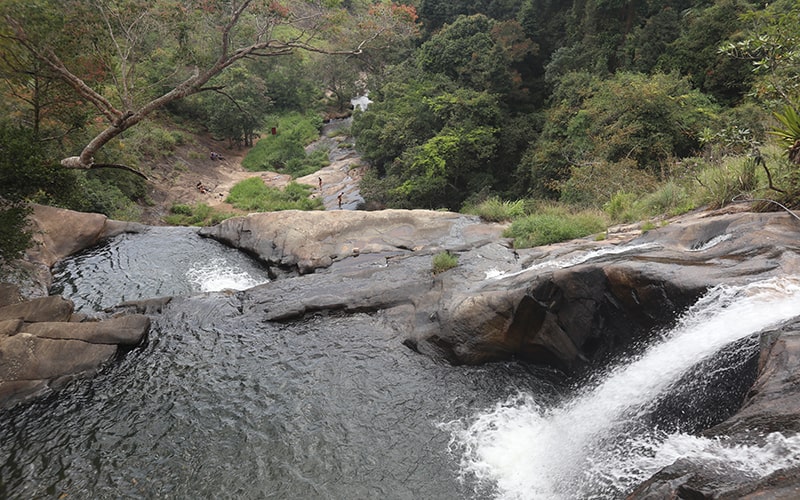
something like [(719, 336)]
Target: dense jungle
[(583, 113)]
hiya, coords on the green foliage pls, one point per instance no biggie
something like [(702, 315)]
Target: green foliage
[(496, 210), (552, 226), (669, 199), (635, 121), (720, 182), (15, 238), (286, 149), (621, 207), (789, 132), (444, 261), (472, 52), (695, 53), (770, 44), (253, 195), (197, 215), (593, 184)]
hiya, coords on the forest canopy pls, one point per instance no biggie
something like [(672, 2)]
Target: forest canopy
[(586, 102)]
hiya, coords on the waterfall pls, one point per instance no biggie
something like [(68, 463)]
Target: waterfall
[(593, 445)]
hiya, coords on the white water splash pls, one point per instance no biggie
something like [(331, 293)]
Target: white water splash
[(581, 448), (712, 242), (216, 275), (571, 260)]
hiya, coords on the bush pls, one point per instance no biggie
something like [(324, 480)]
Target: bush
[(15, 238), (621, 207), (286, 148), (496, 210), (669, 199), (253, 195), (443, 261), (553, 226), (199, 215), (721, 183)]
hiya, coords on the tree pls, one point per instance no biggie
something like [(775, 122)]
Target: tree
[(631, 119), (197, 39), (771, 46)]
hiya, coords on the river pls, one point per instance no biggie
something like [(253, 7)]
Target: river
[(216, 405), (220, 404)]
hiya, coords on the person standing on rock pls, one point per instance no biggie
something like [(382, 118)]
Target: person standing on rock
[(320, 184), (340, 200)]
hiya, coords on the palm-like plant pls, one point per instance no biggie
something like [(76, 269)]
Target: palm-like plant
[(789, 133)]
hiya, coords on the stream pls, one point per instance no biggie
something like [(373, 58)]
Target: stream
[(221, 404)]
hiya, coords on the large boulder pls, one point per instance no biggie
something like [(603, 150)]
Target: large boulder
[(59, 232), (43, 344), (307, 241), (568, 316)]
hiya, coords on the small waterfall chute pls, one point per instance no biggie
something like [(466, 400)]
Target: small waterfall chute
[(593, 445)]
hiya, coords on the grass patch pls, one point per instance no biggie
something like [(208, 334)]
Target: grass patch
[(496, 210), (285, 151), (552, 226), (443, 261), (195, 215), (253, 195)]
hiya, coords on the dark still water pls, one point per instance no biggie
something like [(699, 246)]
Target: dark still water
[(218, 405)]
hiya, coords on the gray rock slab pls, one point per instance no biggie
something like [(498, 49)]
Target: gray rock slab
[(124, 330)]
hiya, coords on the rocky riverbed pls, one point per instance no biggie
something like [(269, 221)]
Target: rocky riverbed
[(570, 306)]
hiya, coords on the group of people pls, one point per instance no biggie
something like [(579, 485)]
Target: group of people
[(338, 198), (216, 156)]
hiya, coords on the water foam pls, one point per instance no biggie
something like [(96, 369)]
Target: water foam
[(570, 260), (217, 274), (584, 448)]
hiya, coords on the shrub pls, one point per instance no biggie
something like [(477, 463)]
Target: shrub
[(198, 215), (670, 199), (15, 238), (720, 183), (496, 210), (621, 207), (443, 261), (253, 195), (286, 148), (553, 227)]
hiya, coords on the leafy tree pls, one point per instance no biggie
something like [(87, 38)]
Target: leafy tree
[(629, 119), (770, 46), (196, 39), (695, 53), (477, 52)]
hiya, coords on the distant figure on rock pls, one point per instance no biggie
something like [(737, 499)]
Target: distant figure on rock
[(201, 187), (340, 199), (213, 156), (320, 183)]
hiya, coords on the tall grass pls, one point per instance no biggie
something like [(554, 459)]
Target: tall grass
[(195, 215), (553, 225), (285, 151), (496, 210), (443, 261), (253, 195)]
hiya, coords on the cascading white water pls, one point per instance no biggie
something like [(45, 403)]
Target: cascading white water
[(570, 260), (586, 448), (218, 274)]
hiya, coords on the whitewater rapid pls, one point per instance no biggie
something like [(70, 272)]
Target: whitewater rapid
[(593, 446)]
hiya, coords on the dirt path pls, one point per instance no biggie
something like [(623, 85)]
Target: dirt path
[(191, 176)]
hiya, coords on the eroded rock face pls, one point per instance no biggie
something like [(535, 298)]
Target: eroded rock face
[(42, 345), (311, 240)]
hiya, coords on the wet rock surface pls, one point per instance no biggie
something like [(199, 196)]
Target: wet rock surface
[(43, 345), (569, 306)]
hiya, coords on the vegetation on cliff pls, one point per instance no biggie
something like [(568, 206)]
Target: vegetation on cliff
[(634, 108)]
